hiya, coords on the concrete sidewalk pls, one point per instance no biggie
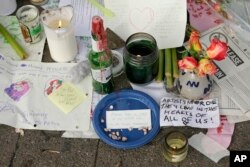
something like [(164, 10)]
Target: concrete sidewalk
[(47, 148)]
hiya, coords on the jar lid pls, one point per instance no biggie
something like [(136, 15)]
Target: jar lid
[(117, 67)]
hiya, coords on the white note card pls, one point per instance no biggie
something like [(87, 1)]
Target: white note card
[(125, 119)]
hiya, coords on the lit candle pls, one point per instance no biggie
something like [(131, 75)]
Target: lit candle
[(60, 33), (175, 146)]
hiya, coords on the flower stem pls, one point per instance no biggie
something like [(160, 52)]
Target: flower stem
[(19, 50), (174, 63), (159, 76), (168, 69), (168, 62)]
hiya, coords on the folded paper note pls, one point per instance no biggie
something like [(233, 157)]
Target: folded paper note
[(67, 97), (208, 147)]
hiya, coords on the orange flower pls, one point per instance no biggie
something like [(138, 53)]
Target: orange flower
[(187, 63), (217, 7), (194, 42), (217, 50), (206, 66)]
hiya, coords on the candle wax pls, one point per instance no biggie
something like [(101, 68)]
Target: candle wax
[(56, 24), (176, 143)]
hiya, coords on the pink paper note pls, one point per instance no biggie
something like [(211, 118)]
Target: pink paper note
[(222, 134), (202, 17)]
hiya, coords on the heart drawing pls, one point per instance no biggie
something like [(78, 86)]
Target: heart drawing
[(140, 19)]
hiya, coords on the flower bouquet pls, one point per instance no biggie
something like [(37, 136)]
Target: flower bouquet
[(197, 67)]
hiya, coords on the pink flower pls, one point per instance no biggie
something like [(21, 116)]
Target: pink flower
[(187, 63), (217, 50), (205, 67)]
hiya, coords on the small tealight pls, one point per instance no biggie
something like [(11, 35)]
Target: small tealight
[(175, 146)]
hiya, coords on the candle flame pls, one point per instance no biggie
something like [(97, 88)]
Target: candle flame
[(60, 24)]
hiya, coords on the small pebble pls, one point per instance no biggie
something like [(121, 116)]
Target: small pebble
[(102, 120), (117, 133), (124, 138), (110, 135), (111, 107), (114, 137), (113, 133)]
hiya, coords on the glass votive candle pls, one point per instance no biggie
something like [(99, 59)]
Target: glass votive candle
[(175, 146), (141, 58), (29, 21)]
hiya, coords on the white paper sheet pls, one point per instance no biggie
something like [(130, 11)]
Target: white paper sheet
[(208, 147), (125, 119), (35, 51), (194, 113), (24, 89), (165, 20), (83, 13)]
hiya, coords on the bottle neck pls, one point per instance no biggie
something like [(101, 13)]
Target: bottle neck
[(97, 46)]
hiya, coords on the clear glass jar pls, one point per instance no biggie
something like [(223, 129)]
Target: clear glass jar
[(141, 58), (175, 146)]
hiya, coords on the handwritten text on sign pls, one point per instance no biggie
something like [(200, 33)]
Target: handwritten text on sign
[(194, 113), (125, 119)]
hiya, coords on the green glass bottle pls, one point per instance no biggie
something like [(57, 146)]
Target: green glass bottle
[(100, 59)]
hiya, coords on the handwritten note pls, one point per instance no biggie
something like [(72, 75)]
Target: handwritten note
[(67, 97), (194, 113), (165, 20), (26, 85), (125, 119)]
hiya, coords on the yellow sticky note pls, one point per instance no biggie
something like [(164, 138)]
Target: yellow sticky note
[(67, 97)]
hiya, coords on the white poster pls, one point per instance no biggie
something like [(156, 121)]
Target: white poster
[(164, 20), (47, 96)]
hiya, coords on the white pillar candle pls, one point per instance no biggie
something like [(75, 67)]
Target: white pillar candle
[(60, 33)]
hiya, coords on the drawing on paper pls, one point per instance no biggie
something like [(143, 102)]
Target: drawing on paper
[(53, 85), (16, 90), (140, 19)]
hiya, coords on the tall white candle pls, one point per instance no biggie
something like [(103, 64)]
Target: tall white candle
[(60, 34)]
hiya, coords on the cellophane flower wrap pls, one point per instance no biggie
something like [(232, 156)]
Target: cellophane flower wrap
[(200, 60)]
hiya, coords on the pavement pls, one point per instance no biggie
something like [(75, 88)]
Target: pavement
[(48, 149), (37, 148)]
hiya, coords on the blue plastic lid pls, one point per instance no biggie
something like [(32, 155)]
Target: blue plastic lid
[(126, 100)]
